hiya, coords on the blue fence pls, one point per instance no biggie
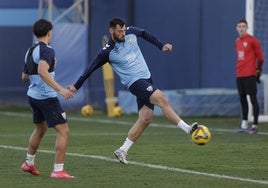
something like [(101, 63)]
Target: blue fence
[(202, 33)]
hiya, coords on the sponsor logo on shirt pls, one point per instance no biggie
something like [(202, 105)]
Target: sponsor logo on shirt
[(241, 55), (131, 57), (130, 41), (64, 115)]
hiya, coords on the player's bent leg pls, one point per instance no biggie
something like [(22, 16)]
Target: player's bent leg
[(61, 142), (34, 142), (144, 119), (36, 137), (61, 148), (158, 98)]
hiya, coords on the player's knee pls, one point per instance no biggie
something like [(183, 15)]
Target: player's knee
[(66, 132), (63, 130), (163, 101), (40, 130), (146, 121), (160, 99)]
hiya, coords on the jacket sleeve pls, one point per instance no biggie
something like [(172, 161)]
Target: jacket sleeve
[(146, 36), (100, 59), (259, 54)]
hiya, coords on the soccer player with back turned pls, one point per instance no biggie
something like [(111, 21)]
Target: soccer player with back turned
[(42, 97)]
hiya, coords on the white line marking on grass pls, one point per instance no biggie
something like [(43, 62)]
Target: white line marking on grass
[(83, 134), (16, 114), (115, 122), (73, 134), (160, 167)]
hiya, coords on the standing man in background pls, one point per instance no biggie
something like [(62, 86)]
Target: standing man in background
[(248, 71), (42, 97)]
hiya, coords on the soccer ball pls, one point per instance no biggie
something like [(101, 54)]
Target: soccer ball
[(87, 110), (118, 111), (201, 135)]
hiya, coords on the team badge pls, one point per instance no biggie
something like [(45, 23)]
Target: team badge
[(130, 41), (149, 88), (64, 115)]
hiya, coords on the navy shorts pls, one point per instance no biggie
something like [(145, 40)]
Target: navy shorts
[(143, 89), (48, 110), (247, 85)]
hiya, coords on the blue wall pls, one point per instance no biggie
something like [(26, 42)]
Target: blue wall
[(218, 32), (13, 45), (201, 31)]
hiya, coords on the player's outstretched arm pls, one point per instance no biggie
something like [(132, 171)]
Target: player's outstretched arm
[(167, 47)]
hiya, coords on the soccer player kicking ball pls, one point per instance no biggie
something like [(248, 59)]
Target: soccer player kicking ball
[(125, 57)]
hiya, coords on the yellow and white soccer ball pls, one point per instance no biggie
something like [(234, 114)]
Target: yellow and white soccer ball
[(87, 110), (201, 135), (118, 111)]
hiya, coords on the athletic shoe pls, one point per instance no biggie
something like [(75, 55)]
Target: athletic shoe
[(239, 130), (61, 174), (121, 156), (25, 167), (252, 131), (194, 126)]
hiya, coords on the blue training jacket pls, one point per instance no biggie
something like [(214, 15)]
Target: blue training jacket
[(38, 88), (125, 58)]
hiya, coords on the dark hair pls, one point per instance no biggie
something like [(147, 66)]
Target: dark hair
[(242, 21), (117, 21), (41, 28)]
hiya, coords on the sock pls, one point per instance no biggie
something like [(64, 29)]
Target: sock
[(244, 124), (58, 167), (184, 126), (254, 126), (30, 159), (127, 144)]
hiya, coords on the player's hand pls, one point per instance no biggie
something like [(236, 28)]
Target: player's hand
[(24, 77), (258, 70), (67, 94), (167, 47), (72, 88)]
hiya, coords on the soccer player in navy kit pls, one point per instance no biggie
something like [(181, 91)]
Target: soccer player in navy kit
[(42, 97), (125, 57), (248, 70)]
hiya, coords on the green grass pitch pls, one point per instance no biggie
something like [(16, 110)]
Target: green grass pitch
[(163, 157)]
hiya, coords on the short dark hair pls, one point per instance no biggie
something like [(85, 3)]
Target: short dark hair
[(41, 28), (242, 21), (117, 21)]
